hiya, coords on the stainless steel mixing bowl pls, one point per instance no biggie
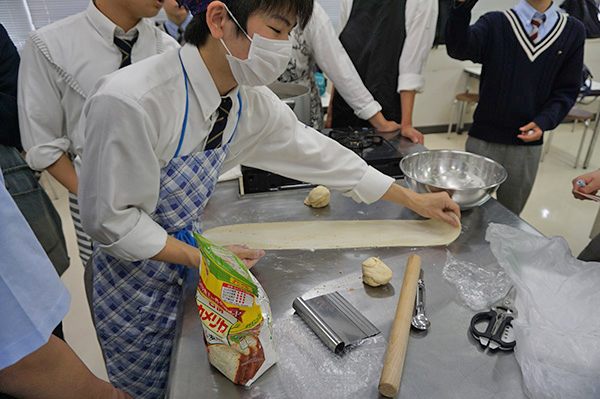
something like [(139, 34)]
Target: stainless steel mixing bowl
[(470, 179)]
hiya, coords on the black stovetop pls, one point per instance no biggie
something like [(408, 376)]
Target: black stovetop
[(374, 149)]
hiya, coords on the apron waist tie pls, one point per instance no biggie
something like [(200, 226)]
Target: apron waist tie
[(186, 236)]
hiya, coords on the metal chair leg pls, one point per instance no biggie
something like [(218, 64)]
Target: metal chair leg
[(587, 124), (547, 145), (461, 115), (452, 112)]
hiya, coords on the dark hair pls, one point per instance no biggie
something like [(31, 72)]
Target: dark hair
[(197, 31)]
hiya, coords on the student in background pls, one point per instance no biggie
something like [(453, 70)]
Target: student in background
[(178, 18), (60, 64), (532, 57), (33, 362), (317, 44), (389, 42)]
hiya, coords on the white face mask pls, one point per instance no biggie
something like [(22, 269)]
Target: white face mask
[(267, 59)]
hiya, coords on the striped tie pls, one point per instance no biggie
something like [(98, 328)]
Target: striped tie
[(537, 20), (180, 36), (125, 46), (215, 138)]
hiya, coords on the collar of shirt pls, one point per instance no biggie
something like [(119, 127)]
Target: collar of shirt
[(525, 12), (201, 82), (172, 27), (107, 29)]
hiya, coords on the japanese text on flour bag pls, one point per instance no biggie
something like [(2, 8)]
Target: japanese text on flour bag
[(236, 316)]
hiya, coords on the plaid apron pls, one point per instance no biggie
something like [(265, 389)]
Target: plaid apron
[(135, 303)]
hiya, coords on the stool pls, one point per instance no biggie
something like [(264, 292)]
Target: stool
[(464, 99), (574, 115)]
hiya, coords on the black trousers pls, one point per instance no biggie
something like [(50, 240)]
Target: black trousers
[(591, 253)]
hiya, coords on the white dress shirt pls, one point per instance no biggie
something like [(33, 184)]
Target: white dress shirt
[(133, 126), (420, 21), (60, 64), (324, 45)]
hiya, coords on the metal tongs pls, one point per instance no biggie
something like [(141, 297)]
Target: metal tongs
[(497, 332), (419, 320)]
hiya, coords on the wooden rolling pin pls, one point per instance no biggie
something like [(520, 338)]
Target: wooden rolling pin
[(389, 384)]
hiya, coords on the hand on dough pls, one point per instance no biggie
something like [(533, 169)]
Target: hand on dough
[(247, 255), (437, 206), (430, 205)]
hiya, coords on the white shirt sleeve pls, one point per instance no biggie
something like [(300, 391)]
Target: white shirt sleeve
[(125, 169), (41, 117), (421, 20), (332, 58), (345, 9), (292, 149)]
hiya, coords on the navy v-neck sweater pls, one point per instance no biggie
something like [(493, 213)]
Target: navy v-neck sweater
[(520, 82)]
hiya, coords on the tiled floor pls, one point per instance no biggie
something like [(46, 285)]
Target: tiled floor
[(551, 209)]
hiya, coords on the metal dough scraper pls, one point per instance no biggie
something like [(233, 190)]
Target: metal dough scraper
[(334, 320)]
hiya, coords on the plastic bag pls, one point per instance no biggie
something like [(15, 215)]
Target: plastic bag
[(308, 369), (478, 287), (236, 316), (557, 328)]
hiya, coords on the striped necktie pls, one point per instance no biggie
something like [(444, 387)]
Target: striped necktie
[(215, 138), (537, 20), (125, 46), (179, 35)]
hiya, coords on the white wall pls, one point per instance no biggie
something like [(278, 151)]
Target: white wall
[(484, 6)]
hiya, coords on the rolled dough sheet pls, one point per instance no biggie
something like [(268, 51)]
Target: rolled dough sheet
[(328, 234)]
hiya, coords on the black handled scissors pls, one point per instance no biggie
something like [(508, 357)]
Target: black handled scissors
[(493, 329)]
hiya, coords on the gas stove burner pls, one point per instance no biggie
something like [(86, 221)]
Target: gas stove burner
[(356, 139)]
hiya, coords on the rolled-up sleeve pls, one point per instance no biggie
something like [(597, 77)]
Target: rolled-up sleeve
[(120, 178), (292, 149), (421, 20), (332, 58), (41, 116)]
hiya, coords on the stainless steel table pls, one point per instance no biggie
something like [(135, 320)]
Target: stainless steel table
[(445, 362)]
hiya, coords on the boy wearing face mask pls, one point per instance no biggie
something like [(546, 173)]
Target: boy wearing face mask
[(150, 165)]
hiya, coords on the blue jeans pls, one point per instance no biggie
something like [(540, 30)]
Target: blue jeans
[(34, 204)]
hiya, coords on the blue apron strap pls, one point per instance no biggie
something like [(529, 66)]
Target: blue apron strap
[(187, 103), (184, 234), (187, 237), (238, 117)]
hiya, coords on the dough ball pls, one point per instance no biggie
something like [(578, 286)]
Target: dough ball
[(318, 197), (375, 272)]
